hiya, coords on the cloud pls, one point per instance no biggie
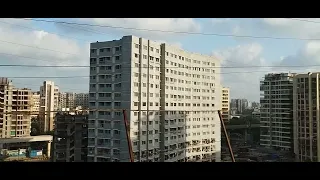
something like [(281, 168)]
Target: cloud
[(38, 47), (290, 27), (243, 82), (127, 26), (308, 57), (174, 44), (220, 21)]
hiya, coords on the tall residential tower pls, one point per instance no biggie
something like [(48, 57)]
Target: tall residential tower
[(49, 95), (171, 100), (306, 101), (276, 111)]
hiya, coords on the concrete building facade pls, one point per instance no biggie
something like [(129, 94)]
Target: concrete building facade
[(171, 102), (82, 99), (71, 100), (49, 102), (306, 127), (62, 100), (66, 100), (238, 105), (276, 111), (225, 111), (35, 104), (70, 140), (5, 93), (15, 107)]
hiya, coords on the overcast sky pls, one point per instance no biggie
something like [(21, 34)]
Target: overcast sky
[(47, 43)]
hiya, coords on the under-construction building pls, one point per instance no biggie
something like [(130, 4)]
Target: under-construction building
[(276, 111), (15, 107), (70, 140), (306, 101)]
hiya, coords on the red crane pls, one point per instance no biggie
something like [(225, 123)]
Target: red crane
[(126, 124)]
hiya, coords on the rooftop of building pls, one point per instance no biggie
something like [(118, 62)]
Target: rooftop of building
[(280, 74), (170, 45), (26, 139)]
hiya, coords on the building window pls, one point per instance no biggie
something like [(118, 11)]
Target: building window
[(118, 48), (118, 66)]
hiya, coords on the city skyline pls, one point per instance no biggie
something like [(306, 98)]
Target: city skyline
[(70, 43), (168, 90)]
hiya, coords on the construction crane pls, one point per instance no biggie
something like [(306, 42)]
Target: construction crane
[(126, 124), (226, 135), (127, 127)]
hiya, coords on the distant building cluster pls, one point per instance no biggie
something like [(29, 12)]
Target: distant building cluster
[(171, 101), (238, 106), (21, 107)]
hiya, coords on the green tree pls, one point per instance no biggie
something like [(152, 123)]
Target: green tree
[(35, 126)]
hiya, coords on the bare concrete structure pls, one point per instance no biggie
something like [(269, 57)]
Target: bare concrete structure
[(5, 95), (71, 137), (306, 126), (15, 107), (276, 111)]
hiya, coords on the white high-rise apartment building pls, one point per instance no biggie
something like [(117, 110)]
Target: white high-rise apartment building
[(49, 100), (171, 100), (306, 117)]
